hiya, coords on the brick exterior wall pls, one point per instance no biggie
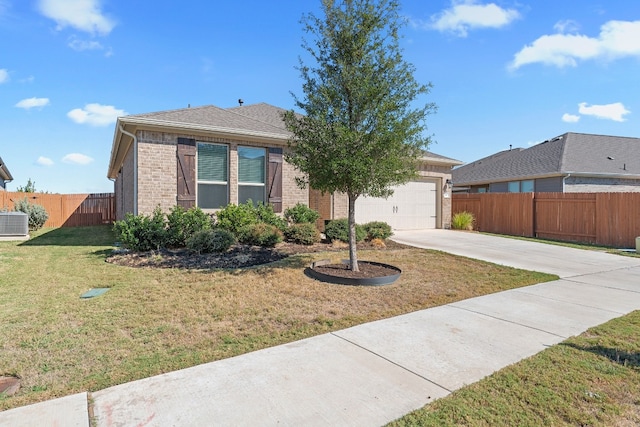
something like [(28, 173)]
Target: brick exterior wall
[(601, 185), (157, 173)]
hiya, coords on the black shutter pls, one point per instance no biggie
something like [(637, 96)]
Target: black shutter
[(186, 191), (274, 184)]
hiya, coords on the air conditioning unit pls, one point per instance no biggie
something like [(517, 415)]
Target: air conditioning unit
[(14, 224)]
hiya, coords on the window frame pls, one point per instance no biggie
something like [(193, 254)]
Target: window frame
[(199, 181)]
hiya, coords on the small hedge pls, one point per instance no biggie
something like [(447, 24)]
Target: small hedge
[(301, 214), (142, 232), (303, 234), (378, 230), (182, 224), (207, 241), (338, 229), (260, 234)]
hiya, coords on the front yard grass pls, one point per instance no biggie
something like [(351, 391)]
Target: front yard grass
[(153, 321), (589, 380)]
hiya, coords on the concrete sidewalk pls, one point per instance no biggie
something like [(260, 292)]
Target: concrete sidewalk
[(374, 373)]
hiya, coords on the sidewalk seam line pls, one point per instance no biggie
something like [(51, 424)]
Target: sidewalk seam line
[(391, 361)]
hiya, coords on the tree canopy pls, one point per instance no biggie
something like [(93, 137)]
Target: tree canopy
[(362, 131)]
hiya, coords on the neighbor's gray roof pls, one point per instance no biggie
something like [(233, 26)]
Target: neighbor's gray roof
[(5, 175), (576, 153)]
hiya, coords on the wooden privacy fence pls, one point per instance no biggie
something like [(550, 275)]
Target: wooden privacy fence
[(68, 210), (608, 219)]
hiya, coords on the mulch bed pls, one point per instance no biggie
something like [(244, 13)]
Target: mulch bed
[(239, 256), (367, 270)]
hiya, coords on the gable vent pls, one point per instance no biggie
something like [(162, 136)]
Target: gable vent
[(14, 224)]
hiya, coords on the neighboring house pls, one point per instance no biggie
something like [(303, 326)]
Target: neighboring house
[(569, 163), (5, 175), (210, 157)]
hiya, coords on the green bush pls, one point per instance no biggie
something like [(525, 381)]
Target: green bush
[(37, 213), (301, 214), (142, 232), (207, 241), (378, 230), (304, 234), (338, 229), (462, 221), (182, 224), (265, 214), (236, 217), (260, 234)]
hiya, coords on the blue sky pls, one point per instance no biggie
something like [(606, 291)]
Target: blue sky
[(504, 72)]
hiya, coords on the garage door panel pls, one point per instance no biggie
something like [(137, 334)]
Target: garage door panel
[(412, 206)]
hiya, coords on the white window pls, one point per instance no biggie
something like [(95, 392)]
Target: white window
[(251, 174), (213, 176)]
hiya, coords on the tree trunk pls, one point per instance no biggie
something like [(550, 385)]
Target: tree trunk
[(353, 255)]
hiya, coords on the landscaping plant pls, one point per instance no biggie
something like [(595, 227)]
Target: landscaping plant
[(463, 221), (37, 213), (301, 214), (207, 241), (183, 223), (142, 232), (378, 230), (338, 229), (260, 234), (304, 233)]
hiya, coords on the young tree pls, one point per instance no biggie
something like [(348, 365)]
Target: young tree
[(361, 133), (29, 188)]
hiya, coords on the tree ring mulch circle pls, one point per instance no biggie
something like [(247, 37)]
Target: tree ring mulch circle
[(371, 273)]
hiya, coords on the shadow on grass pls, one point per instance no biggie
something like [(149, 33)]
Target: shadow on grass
[(620, 357), (100, 235)]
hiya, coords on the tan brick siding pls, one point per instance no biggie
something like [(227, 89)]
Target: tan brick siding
[(157, 175)]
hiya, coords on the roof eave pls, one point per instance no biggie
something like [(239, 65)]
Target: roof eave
[(4, 172)]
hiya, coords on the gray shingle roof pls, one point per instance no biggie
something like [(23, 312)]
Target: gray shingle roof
[(210, 115), (570, 152)]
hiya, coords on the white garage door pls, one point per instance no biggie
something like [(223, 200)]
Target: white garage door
[(411, 207)]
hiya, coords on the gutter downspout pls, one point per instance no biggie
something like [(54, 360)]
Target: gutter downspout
[(135, 169)]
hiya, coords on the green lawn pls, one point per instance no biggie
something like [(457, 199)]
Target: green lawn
[(157, 320)]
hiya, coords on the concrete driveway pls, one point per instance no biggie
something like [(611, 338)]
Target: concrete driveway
[(371, 374)]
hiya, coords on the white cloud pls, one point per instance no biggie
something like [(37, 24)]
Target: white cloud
[(4, 75), (570, 118), (44, 161), (83, 15), (468, 14), (77, 159), (33, 103), (615, 111), (617, 39), (81, 45), (567, 26), (96, 114)]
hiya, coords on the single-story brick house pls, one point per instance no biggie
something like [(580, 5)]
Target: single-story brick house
[(569, 163), (5, 175), (210, 157)]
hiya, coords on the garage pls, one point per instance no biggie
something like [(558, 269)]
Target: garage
[(412, 206)]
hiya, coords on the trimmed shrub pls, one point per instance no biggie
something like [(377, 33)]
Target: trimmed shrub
[(141, 232), (265, 214), (463, 221), (37, 213), (182, 224), (207, 241), (236, 217), (301, 214), (338, 229), (304, 234), (378, 230), (260, 234)]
